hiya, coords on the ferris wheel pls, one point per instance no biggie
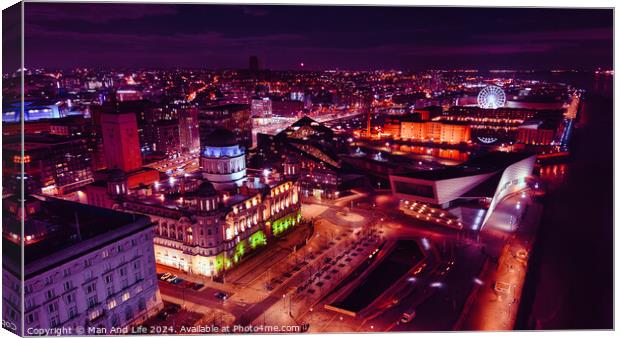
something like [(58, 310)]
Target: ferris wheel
[(491, 97)]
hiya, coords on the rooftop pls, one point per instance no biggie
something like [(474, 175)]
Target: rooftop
[(62, 241), (32, 142), (221, 138), (484, 164), (230, 107)]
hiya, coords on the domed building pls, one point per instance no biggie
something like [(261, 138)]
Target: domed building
[(117, 182), (222, 160), (207, 197)]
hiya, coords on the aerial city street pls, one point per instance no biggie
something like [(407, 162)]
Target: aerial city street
[(258, 184)]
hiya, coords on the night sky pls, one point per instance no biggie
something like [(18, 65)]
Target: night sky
[(224, 36)]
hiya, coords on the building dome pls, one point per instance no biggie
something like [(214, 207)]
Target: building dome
[(221, 138), (206, 189), (116, 175), (222, 160)]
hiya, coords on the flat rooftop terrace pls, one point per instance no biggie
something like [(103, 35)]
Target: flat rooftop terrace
[(61, 240)]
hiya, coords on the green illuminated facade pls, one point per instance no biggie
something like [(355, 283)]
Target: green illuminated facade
[(281, 225), (256, 240)]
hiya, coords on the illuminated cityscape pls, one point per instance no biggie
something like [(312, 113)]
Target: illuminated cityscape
[(263, 180)]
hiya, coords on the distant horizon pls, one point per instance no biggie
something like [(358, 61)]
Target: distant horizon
[(448, 70), (222, 36)]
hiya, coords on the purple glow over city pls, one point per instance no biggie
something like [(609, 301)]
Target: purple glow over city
[(198, 169)]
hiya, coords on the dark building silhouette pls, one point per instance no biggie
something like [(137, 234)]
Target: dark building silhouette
[(254, 64)]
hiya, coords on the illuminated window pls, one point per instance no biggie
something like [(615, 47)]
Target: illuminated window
[(19, 159), (94, 314)]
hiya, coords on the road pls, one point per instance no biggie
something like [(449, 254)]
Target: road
[(341, 223), (189, 163)]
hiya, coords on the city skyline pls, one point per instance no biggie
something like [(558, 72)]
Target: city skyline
[(354, 38), (150, 191)]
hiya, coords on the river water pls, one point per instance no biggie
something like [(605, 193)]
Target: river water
[(570, 279)]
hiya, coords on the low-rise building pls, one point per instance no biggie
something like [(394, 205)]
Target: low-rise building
[(489, 177), (307, 151), (434, 131), (57, 164)]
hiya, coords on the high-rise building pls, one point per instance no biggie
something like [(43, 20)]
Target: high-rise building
[(166, 138), (254, 68), (120, 141), (188, 130), (261, 107), (83, 266), (233, 117)]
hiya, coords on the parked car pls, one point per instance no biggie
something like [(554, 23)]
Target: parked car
[(173, 308), (171, 278), (407, 316), (165, 276), (221, 295), (162, 315)]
